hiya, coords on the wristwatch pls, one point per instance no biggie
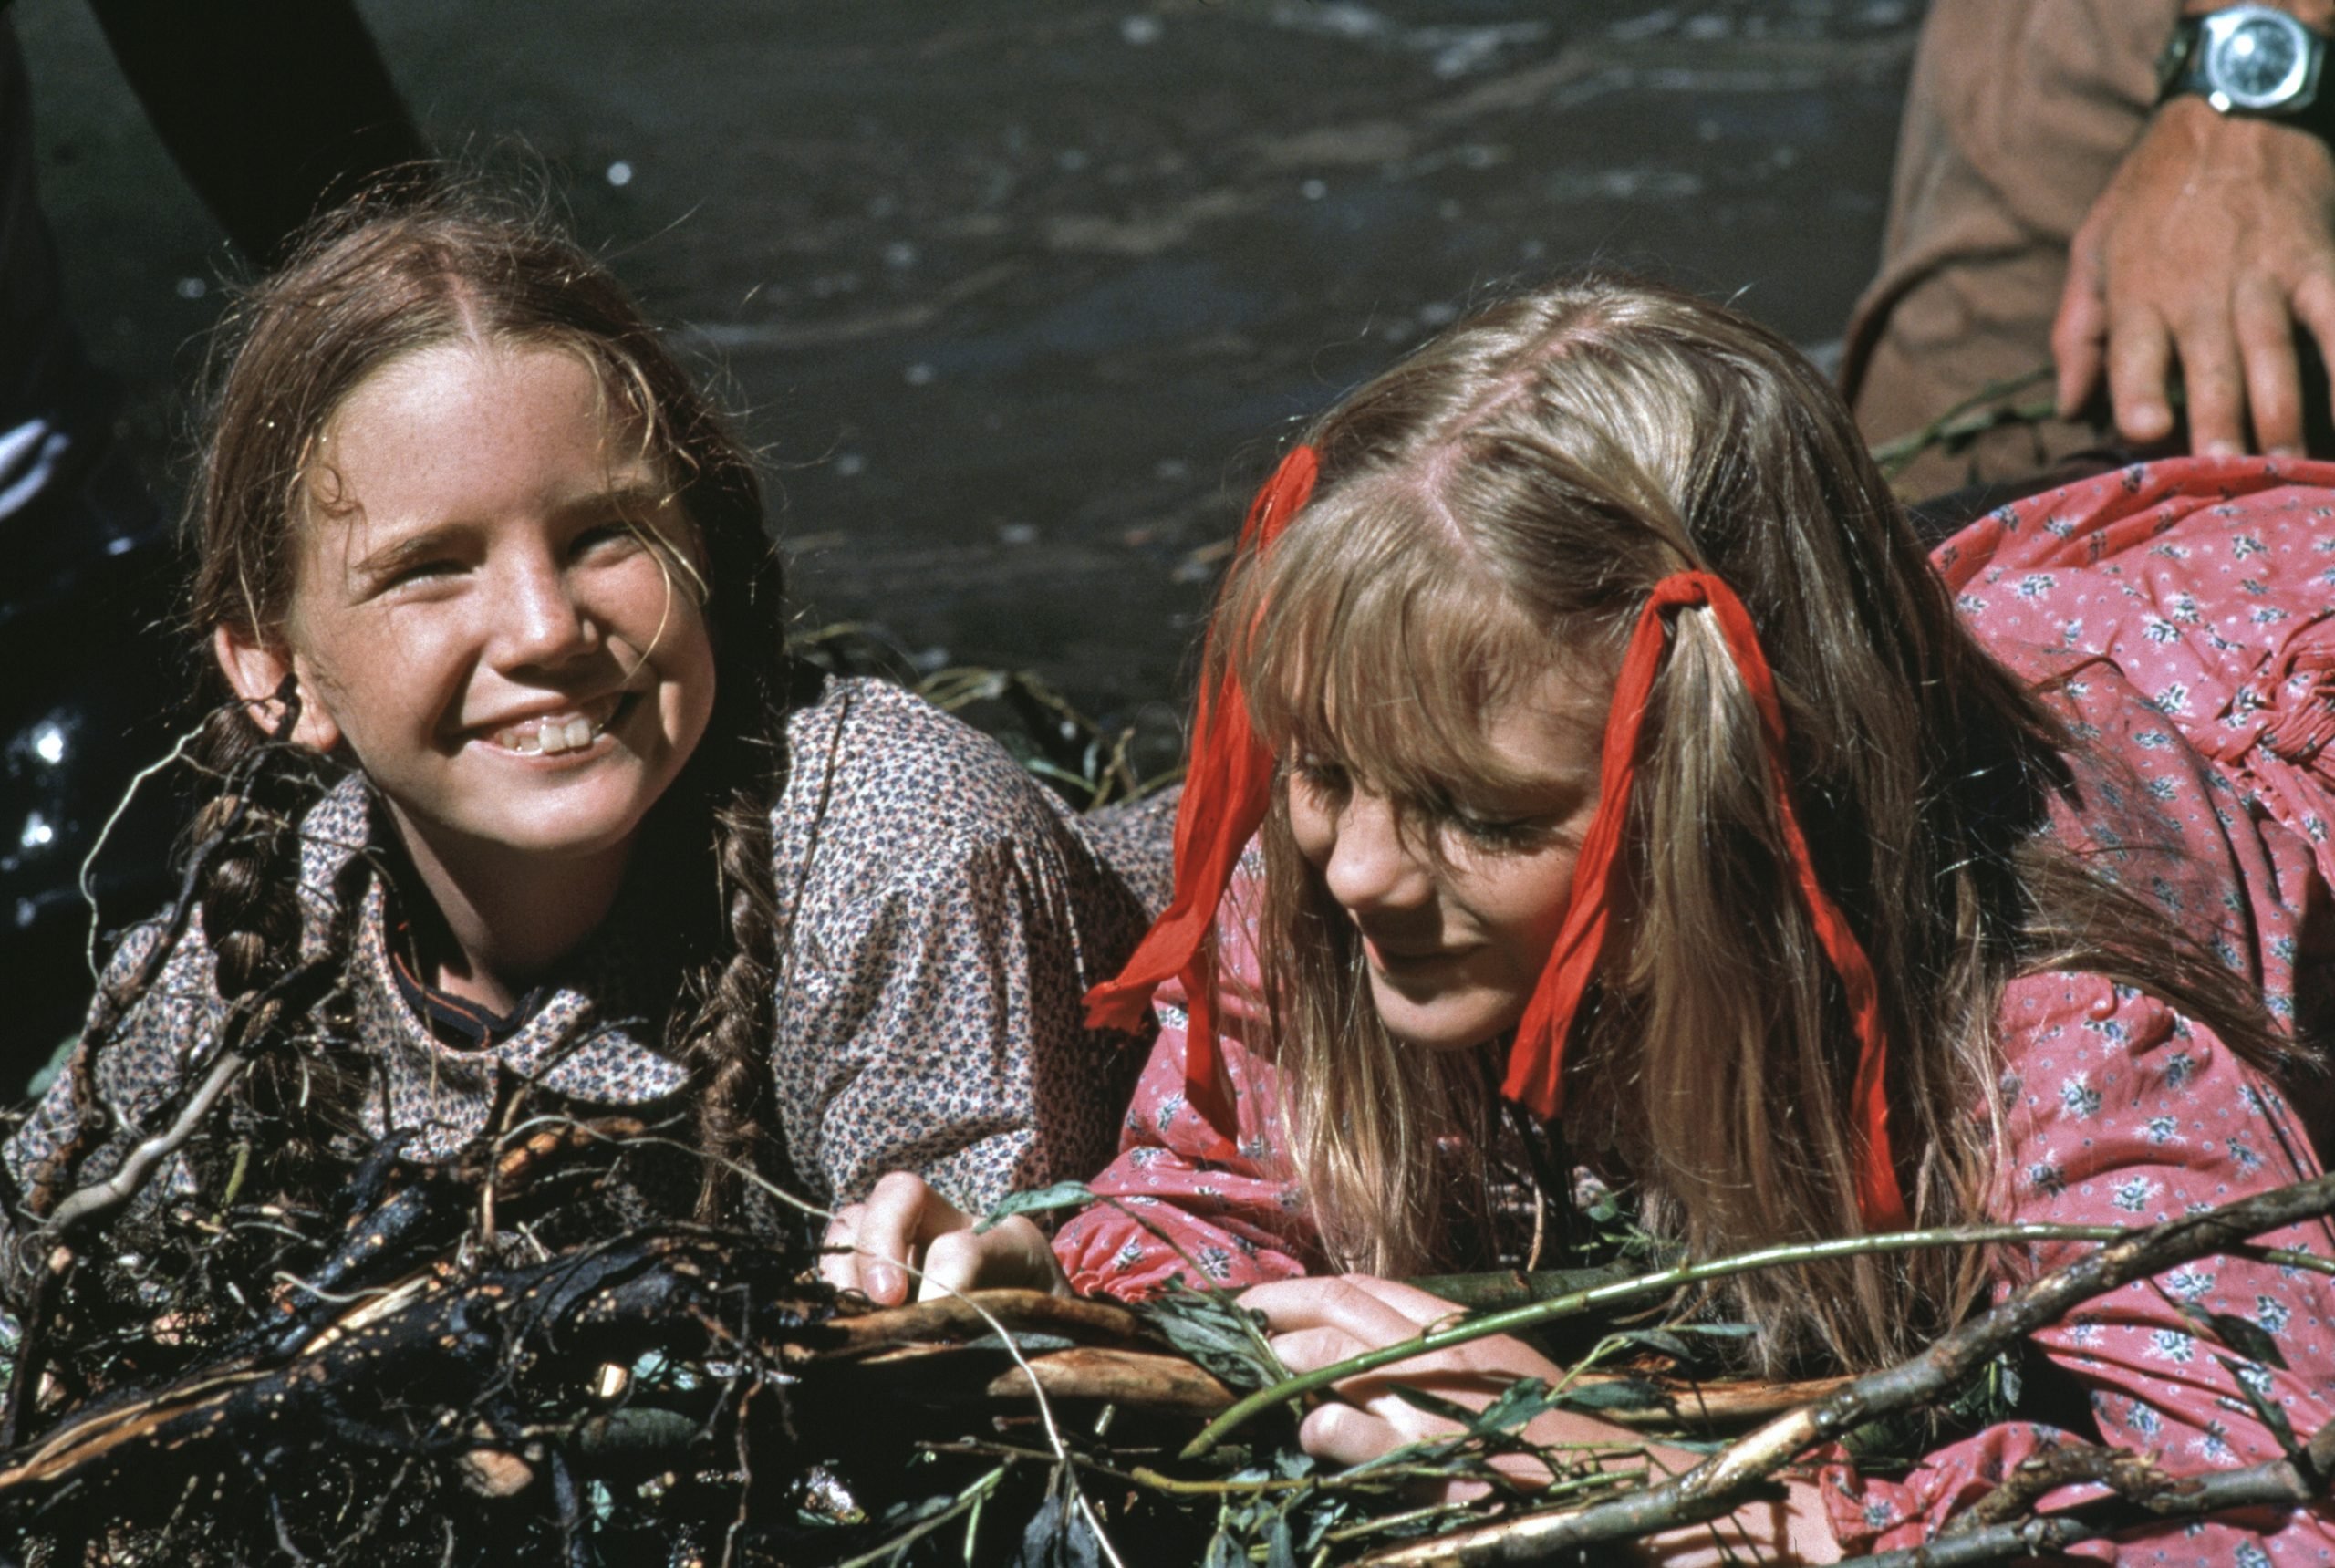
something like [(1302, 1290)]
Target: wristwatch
[(2249, 60)]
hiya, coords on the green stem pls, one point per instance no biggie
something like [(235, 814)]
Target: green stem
[(1973, 415), (1512, 1319), (972, 1496)]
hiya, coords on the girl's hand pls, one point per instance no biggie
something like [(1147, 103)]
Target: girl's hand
[(905, 1225), (1316, 1323)]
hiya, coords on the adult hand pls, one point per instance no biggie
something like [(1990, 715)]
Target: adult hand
[(905, 1226), (1315, 1322), (2215, 240)]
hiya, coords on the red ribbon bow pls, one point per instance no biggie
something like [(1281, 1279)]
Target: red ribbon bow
[(1536, 1061)]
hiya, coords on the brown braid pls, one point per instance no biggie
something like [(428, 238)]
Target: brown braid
[(725, 1038), (724, 1045)]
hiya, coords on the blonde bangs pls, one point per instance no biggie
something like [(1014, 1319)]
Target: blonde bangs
[(1375, 639)]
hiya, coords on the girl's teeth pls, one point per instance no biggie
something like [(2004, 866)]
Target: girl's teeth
[(552, 735)]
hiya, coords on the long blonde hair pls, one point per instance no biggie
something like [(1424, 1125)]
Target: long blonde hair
[(1502, 503)]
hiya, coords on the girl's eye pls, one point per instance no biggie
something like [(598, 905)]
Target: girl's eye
[(1320, 776), (1498, 834), (606, 536), (422, 571)]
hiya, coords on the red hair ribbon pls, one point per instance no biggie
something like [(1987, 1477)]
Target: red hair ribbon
[(1227, 787), (1536, 1063)]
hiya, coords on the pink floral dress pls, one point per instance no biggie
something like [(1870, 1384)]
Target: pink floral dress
[(2183, 614)]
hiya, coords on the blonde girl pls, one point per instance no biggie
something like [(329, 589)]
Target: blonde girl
[(1630, 797)]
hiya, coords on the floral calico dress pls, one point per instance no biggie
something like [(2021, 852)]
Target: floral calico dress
[(941, 915), (2182, 617)]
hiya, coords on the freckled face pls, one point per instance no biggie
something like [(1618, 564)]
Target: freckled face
[(1457, 908), (481, 614)]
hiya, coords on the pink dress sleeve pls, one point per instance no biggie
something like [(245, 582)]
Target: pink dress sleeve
[(1166, 1212), (2182, 614)]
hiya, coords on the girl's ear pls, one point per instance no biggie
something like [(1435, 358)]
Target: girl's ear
[(256, 669)]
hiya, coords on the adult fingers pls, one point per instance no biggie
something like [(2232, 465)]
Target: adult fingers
[(841, 1269), (2213, 384), (2273, 377), (2081, 327), (2314, 307), (2139, 356)]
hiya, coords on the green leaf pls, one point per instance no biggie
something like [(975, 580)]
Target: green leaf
[(1661, 1339), (1025, 1340), (1622, 1394), (1225, 1338), (1524, 1400), (1279, 1553), (2246, 1336), (1038, 1200), (1435, 1405), (2267, 1410)]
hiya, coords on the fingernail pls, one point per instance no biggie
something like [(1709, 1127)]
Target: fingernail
[(2224, 449), (883, 1284), (2286, 451)]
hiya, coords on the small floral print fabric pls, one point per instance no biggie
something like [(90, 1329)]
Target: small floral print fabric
[(2182, 617), (941, 915)]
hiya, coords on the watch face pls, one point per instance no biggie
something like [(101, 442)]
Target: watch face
[(2257, 61)]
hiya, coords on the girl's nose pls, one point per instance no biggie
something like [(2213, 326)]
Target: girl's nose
[(542, 622), (1371, 865)]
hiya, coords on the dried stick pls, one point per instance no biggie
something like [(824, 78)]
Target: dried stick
[(2294, 1482), (1718, 1484), (1532, 1315)]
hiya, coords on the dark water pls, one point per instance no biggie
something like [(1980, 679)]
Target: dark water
[(1018, 297)]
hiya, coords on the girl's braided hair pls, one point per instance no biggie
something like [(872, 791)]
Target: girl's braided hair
[(392, 273)]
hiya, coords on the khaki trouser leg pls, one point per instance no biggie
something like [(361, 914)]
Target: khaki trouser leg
[(2017, 113)]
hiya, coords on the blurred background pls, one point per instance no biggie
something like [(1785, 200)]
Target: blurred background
[(1018, 299)]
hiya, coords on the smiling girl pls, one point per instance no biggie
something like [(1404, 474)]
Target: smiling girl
[(1630, 796), (519, 810)]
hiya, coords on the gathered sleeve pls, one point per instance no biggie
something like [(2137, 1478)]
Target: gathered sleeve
[(1168, 1213), (941, 918)]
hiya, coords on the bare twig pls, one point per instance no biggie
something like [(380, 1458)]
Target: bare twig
[(1719, 1484), (2294, 1482)]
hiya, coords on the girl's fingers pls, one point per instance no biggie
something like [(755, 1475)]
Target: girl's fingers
[(1344, 1435), (841, 1269), (1341, 1303), (1308, 1348), (1012, 1255), (1423, 1310), (891, 1228)]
